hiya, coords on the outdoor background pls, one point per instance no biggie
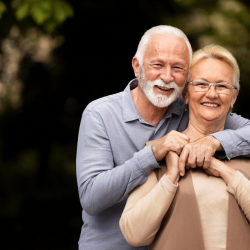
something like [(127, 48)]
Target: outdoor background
[(55, 57)]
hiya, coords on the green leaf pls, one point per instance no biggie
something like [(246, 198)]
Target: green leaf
[(39, 14), (69, 9), (62, 11), (2, 8), (23, 11), (50, 25), (45, 5)]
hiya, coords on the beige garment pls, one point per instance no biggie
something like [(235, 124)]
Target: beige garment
[(148, 204), (212, 198)]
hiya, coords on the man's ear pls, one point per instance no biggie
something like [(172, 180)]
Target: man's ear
[(136, 66), (185, 95)]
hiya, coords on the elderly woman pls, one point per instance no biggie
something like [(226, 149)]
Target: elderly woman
[(206, 209)]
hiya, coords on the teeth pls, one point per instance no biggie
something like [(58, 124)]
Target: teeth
[(162, 88), (210, 104)]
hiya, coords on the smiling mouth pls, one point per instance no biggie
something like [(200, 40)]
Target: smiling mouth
[(214, 105), (163, 88)]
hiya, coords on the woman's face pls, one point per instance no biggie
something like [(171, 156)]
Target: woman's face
[(210, 105)]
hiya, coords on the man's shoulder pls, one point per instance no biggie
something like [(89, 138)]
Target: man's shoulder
[(106, 102)]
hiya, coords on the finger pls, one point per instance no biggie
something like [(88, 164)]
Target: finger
[(208, 172), (185, 137), (178, 134), (200, 158), (207, 159), (191, 161), (182, 160), (175, 144)]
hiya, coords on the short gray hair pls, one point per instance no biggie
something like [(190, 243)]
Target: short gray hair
[(218, 52), (160, 30)]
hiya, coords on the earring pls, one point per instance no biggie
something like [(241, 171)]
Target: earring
[(186, 107), (231, 114)]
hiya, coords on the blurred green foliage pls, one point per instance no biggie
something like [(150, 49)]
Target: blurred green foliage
[(2, 8), (49, 13)]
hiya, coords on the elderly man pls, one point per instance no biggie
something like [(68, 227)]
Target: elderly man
[(111, 157)]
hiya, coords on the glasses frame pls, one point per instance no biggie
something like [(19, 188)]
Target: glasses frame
[(211, 84)]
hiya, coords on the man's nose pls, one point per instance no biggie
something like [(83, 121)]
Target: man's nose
[(167, 75), (211, 93)]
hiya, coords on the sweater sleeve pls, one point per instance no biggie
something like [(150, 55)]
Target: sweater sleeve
[(239, 187), (145, 209)]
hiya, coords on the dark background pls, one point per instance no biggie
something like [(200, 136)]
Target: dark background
[(41, 103)]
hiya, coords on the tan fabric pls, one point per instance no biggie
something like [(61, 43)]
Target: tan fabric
[(181, 226), (148, 203), (212, 197), (238, 234)]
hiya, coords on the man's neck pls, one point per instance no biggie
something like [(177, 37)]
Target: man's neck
[(146, 109)]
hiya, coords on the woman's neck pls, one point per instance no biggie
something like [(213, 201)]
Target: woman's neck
[(199, 129)]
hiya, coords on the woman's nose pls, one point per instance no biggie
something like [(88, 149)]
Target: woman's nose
[(211, 93)]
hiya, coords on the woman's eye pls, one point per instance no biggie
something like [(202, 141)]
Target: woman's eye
[(222, 86), (202, 84)]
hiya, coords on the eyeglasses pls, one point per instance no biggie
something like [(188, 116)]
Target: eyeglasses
[(220, 88)]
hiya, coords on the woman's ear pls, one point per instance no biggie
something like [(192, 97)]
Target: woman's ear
[(185, 95), (136, 66), (234, 98)]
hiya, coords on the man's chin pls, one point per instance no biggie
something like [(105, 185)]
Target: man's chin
[(163, 101)]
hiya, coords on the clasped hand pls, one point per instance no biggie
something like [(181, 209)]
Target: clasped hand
[(191, 154)]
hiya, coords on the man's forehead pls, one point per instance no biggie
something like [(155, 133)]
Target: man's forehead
[(164, 44), (164, 41)]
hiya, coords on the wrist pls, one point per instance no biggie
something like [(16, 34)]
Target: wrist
[(173, 176), (158, 152), (218, 146), (227, 174)]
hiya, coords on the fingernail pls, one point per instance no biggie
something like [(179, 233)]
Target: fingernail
[(181, 174)]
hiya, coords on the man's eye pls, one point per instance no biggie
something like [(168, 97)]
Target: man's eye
[(178, 68)]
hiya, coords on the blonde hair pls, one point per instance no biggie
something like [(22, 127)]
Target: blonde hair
[(220, 53)]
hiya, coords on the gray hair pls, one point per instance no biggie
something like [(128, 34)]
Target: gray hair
[(218, 52), (160, 30)]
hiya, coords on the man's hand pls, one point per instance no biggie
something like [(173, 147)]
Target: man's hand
[(173, 141), (198, 153)]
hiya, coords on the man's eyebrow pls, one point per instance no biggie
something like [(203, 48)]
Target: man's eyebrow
[(156, 61), (181, 62)]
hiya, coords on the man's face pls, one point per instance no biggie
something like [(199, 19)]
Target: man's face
[(164, 69)]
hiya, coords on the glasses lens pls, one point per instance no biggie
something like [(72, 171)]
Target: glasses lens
[(223, 88), (200, 86)]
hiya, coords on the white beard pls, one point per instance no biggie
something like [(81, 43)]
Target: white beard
[(159, 100)]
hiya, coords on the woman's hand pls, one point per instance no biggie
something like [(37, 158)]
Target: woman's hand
[(172, 162), (220, 169)]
